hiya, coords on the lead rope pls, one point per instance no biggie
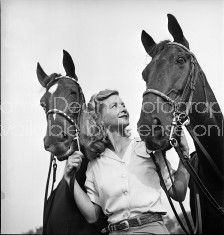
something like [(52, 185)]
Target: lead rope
[(45, 217), (198, 226), (47, 184), (54, 174), (73, 172)]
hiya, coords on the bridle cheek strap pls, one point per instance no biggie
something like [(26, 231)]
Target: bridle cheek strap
[(190, 84)]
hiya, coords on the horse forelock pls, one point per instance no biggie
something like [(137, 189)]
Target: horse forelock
[(153, 52), (54, 75), (158, 47)]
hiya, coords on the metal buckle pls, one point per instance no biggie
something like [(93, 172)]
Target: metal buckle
[(112, 227), (183, 119), (173, 125), (77, 139), (173, 142), (126, 224)]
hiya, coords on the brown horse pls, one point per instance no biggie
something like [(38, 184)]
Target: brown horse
[(176, 83), (63, 103)]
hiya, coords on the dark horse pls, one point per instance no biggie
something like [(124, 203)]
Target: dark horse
[(63, 103), (174, 80)]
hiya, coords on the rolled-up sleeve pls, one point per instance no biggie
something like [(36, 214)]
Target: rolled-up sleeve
[(90, 186)]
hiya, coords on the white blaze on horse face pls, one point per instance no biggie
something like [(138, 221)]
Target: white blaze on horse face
[(54, 116), (53, 88)]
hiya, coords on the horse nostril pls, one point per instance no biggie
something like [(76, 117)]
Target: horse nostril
[(46, 143), (156, 121)]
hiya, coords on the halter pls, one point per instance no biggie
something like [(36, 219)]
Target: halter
[(63, 114)]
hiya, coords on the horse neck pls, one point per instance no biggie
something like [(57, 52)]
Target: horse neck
[(210, 121)]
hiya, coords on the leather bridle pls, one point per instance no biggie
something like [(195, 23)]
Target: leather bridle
[(182, 119)]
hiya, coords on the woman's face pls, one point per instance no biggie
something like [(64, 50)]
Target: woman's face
[(114, 113)]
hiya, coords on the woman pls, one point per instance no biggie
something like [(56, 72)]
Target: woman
[(121, 177)]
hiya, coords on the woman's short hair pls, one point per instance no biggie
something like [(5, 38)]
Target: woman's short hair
[(93, 133)]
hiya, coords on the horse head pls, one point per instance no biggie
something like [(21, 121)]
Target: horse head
[(167, 79), (62, 101)]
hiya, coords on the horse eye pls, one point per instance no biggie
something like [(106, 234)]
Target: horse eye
[(73, 93), (43, 104), (180, 60)]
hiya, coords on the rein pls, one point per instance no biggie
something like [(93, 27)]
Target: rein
[(182, 119), (162, 183), (52, 158)]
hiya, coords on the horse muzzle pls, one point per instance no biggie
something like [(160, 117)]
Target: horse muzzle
[(154, 133), (62, 150)]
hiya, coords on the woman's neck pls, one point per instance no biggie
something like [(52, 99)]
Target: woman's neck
[(118, 143)]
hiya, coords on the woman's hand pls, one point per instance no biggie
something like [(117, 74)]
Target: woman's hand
[(181, 177), (73, 164), (183, 143)]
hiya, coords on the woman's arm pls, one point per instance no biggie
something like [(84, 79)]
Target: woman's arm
[(89, 209), (181, 176), (181, 179)]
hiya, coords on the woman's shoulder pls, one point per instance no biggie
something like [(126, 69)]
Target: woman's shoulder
[(95, 161)]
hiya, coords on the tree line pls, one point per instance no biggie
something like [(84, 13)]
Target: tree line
[(170, 222)]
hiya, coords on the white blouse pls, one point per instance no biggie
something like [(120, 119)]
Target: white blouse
[(129, 186)]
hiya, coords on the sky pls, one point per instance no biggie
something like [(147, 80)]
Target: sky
[(104, 40)]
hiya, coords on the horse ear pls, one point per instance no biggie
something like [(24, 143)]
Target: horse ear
[(43, 78), (147, 42), (176, 31), (69, 65)]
